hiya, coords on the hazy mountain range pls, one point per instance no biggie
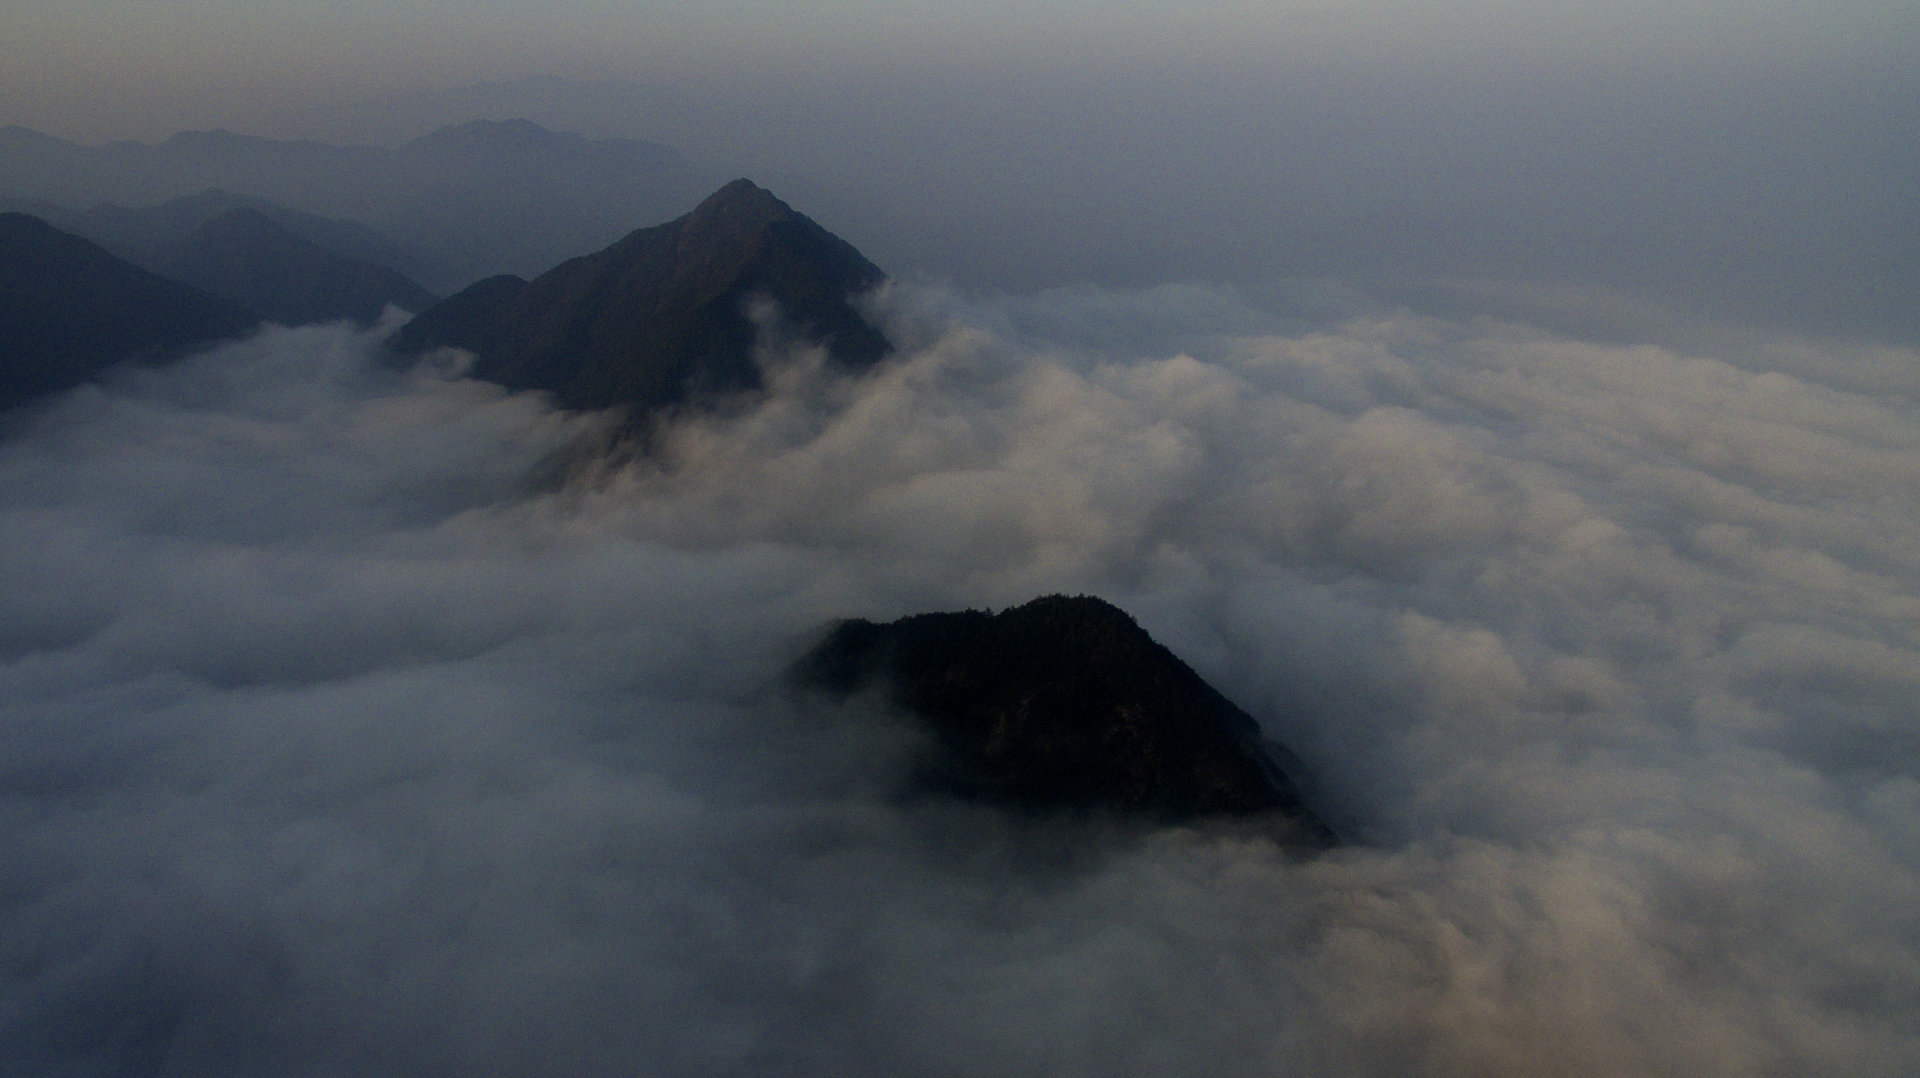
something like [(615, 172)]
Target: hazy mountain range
[(665, 316), (134, 231), (462, 202), (69, 309), (246, 256), (1059, 704), (194, 272)]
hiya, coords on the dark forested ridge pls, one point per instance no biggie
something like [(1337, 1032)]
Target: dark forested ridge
[(68, 309), (660, 318), (1064, 702)]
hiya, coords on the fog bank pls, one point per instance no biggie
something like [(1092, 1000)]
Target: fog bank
[(340, 735)]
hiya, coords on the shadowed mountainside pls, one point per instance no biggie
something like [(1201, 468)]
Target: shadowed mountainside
[(245, 256), (291, 267), (130, 230), (1064, 703), (69, 309), (660, 318)]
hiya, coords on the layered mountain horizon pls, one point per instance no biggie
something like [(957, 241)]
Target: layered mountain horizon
[(289, 267), (69, 309), (662, 318), (465, 201), (129, 230), (246, 256)]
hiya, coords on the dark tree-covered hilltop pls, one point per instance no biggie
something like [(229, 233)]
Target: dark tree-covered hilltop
[(1064, 703)]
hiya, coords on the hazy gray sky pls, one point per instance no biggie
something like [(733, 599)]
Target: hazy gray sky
[(96, 69), (1744, 160)]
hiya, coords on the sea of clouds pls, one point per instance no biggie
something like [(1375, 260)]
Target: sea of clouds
[(356, 721)]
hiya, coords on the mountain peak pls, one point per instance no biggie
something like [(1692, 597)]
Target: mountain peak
[(732, 216), (738, 195), (1064, 702), (659, 318)]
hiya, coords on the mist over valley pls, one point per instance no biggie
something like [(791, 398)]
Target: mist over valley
[(1028, 581)]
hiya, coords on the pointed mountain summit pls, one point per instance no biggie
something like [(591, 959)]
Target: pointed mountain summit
[(69, 309), (660, 318), (1065, 702)]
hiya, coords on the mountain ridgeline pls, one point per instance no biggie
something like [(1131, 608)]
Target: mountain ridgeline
[(69, 309), (1065, 703), (246, 256), (462, 202), (660, 319), (290, 267), (135, 231)]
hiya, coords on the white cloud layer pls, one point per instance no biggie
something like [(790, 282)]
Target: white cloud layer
[(341, 736)]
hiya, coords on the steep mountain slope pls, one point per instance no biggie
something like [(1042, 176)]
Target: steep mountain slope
[(1064, 702), (659, 319), (68, 309)]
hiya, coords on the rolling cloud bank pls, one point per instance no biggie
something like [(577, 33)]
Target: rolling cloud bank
[(354, 725)]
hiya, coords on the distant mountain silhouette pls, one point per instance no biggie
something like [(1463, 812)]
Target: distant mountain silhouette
[(290, 266), (509, 139), (245, 256), (69, 308), (1064, 703), (557, 103), (39, 207), (658, 319), (133, 232), (220, 142), (24, 139), (464, 202)]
